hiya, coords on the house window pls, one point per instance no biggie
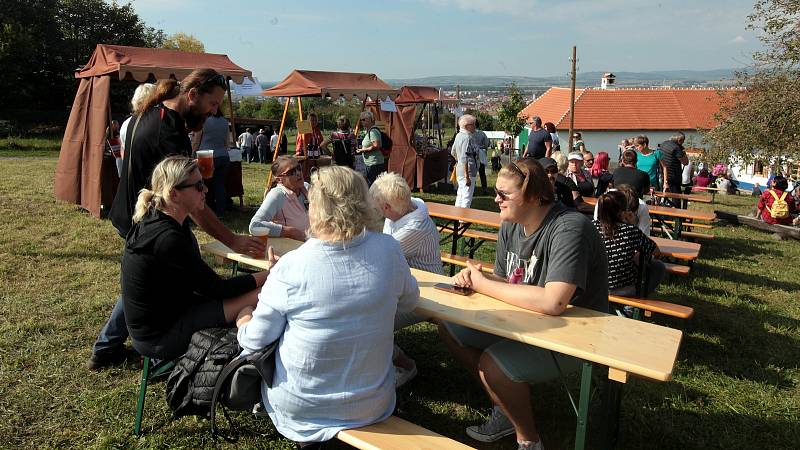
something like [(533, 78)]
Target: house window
[(758, 168)]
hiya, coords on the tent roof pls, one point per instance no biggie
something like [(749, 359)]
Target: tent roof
[(417, 94), (140, 63), (312, 83)]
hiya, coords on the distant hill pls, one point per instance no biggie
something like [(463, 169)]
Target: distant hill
[(584, 79)]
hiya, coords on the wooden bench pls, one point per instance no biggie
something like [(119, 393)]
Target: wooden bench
[(395, 433), (688, 224), (688, 234), (459, 260), (654, 306), (475, 234), (677, 269)]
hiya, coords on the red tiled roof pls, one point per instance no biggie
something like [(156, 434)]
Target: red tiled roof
[(628, 109)]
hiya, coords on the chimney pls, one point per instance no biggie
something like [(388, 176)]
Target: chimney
[(607, 80)]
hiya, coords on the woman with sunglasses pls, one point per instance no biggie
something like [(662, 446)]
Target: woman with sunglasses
[(548, 256), (168, 291), (283, 213)]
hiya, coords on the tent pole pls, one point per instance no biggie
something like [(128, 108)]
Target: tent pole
[(358, 122), (278, 143), (230, 104)]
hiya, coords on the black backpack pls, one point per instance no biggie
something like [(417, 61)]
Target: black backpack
[(386, 142), (211, 372)]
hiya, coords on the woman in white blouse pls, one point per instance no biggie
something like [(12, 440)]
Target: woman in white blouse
[(283, 211), (332, 304)]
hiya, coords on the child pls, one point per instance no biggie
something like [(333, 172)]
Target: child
[(626, 245)]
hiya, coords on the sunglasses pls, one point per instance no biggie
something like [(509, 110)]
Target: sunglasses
[(200, 186), (291, 172), (216, 80), (589, 160), (503, 195)]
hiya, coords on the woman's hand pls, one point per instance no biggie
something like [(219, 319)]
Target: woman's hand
[(245, 315), (293, 233), (462, 278)]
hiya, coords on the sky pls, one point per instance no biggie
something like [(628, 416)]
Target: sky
[(418, 38)]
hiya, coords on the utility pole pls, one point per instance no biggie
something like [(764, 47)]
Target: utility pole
[(572, 99)]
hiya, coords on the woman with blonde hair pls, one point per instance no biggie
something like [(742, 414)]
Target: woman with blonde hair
[(168, 291), (331, 303), (142, 92), (283, 212)]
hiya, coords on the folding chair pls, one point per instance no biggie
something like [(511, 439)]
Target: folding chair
[(150, 373)]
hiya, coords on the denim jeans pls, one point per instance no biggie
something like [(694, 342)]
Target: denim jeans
[(114, 333)]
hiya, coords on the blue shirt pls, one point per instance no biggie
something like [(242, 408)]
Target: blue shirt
[(332, 305)]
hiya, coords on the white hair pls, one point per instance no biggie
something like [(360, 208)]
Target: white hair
[(466, 119), (391, 188), (140, 96)]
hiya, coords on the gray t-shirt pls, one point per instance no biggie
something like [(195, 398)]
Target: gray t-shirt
[(215, 136), (565, 248)]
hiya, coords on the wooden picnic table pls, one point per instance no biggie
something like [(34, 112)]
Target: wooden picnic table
[(684, 198), (626, 347), (458, 220), (677, 214)]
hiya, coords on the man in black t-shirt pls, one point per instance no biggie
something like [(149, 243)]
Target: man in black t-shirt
[(630, 175), (540, 141), (673, 155), (160, 130)]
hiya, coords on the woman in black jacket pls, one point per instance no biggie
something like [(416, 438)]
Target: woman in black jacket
[(168, 291)]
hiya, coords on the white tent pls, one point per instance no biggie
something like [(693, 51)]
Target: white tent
[(247, 88)]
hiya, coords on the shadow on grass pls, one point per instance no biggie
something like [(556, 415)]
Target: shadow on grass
[(724, 248)]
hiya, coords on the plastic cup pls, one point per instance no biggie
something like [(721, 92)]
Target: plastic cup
[(205, 161)]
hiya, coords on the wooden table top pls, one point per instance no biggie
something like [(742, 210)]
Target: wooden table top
[(687, 197), (687, 251), (279, 245), (625, 345), (670, 212), (476, 216)]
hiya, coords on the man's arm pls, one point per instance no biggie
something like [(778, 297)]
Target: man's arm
[(209, 222), (665, 173), (551, 299), (549, 147)]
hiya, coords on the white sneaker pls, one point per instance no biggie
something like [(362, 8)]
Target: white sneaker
[(497, 427)]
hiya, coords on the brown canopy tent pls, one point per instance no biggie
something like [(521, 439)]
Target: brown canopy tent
[(419, 161), (312, 83), (81, 176)]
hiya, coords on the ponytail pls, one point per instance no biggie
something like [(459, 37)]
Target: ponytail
[(147, 201), (164, 90)]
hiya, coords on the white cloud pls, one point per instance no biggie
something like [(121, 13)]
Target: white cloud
[(738, 40)]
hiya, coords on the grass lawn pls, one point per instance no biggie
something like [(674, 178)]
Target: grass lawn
[(735, 384)]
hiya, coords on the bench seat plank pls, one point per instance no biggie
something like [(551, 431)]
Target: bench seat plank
[(395, 433), (677, 269), (462, 261), (656, 306), (477, 234)]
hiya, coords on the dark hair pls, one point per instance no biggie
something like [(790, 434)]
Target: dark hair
[(610, 207), (631, 196), (550, 127), (629, 157), (202, 80), (533, 180), (780, 182), (279, 163), (642, 140)]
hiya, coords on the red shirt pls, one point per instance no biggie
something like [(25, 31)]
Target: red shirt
[(314, 138), (766, 200)]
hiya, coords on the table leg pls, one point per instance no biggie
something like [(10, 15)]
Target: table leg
[(678, 227), (234, 268), (583, 406), (611, 402)]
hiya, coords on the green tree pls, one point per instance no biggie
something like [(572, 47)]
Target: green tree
[(485, 120), (184, 42), (508, 118), (43, 42), (761, 121)]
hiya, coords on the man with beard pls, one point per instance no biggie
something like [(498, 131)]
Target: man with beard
[(160, 129)]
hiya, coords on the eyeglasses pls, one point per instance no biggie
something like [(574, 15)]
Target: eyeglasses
[(200, 186), (218, 80), (291, 172)]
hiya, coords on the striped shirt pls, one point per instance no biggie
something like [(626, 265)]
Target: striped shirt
[(627, 240), (418, 238)]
